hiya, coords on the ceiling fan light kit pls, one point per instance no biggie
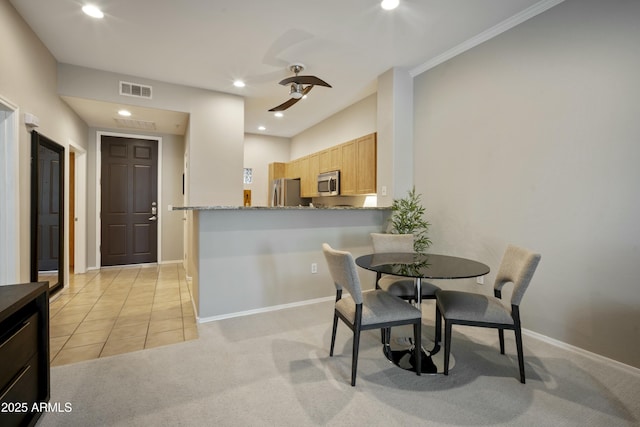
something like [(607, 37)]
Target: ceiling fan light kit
[(296, 91), (300, 86)]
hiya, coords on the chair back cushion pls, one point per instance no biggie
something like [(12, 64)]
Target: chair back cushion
[(343, 271), (517, 266), (383, 242)]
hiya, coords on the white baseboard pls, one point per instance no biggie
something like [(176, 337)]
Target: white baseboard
[(556, 343), (264, 309), (593, 356), (176, 261)]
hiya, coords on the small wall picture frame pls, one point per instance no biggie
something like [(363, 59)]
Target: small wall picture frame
[(248, 176)]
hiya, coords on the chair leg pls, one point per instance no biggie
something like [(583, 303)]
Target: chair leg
[(438, 326), (354, 357), (447, 345), (385, 333), (417, 337), (386, 336), (333, 334), (519, 348), (501, 338)]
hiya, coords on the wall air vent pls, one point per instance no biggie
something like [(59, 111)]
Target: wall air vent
[(135, 89), (135, 124)]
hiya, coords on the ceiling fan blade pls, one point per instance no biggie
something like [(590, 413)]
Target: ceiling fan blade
[(292, 101), (305, 80), (285, 105)]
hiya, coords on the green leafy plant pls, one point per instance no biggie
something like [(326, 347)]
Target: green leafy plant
[(408, 218)]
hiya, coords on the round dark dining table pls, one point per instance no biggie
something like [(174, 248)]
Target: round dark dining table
[(420, 266)]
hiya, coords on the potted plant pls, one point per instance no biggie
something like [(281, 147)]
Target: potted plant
[(408, 218)]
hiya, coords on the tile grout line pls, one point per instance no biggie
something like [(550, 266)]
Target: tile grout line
[(120, 311), (85, 316)]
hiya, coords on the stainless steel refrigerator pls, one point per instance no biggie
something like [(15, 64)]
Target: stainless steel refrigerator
[(286, 192)]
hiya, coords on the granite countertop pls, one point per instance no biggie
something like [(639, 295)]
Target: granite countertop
[(275, 208)]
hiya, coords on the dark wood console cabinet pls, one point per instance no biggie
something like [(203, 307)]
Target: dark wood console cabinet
[(24, 352)]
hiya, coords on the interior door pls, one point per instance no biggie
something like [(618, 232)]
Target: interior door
[(129, 232), (48, 209)]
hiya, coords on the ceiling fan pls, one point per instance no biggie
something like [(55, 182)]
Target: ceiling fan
[(300, 86)]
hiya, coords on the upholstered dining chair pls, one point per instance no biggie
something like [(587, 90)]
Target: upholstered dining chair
[(472, 309), (369, 310), (402, 287)]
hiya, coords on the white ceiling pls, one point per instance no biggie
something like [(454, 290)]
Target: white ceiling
[(210, 43)]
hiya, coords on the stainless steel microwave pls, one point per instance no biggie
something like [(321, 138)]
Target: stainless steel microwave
[(329, 183)]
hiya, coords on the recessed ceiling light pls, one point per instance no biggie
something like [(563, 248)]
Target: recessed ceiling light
[(389, 4), (262, 128), (124, 113), (93, 11), (278, 114), (239, 83)]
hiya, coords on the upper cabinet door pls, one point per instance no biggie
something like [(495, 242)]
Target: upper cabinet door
[(366, 164), (356, 161), (348, 171)]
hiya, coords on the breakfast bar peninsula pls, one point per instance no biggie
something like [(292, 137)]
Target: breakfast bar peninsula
[(246, 260)]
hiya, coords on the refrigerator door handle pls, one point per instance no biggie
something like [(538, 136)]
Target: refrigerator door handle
[(276, 194)]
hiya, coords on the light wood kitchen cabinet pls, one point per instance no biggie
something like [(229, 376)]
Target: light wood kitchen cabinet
[(366, 167), (358, 170), (310, 171), (356, 161), (292, 169), (276, 170), (348, 171), (330, 159), (303, 167)]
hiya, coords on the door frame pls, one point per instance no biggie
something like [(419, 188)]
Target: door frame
[(99, 135), (10, 204), (80, 208)]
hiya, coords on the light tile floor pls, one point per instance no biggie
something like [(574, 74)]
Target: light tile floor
[(119, 310)]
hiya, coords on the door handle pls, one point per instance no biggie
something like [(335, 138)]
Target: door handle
[(153, 218)]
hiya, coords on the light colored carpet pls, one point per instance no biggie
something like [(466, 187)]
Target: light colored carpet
[(274, 369)]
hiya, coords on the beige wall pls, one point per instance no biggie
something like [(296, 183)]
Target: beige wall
[(354, 121), (259, 151), (215, 131), (395, 135), (28, 80), (213, 143), (532, 138), (172, 224), (216, 152)]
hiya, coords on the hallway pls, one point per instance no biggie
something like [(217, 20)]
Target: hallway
[(119, 310)]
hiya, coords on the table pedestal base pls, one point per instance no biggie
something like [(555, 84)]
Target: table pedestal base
[(400, 352)]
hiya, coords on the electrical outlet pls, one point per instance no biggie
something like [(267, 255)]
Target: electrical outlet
[(383, 190), (480, 280), (314, 268)]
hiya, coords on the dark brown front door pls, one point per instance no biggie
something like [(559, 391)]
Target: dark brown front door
[(129, 201), (48, 209)]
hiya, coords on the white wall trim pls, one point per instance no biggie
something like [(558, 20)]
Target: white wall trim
[(593, 356), (9, 188), (264, 309), (492, 32), (80, 197), (99, 135), (559, 344), (174, 261)]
